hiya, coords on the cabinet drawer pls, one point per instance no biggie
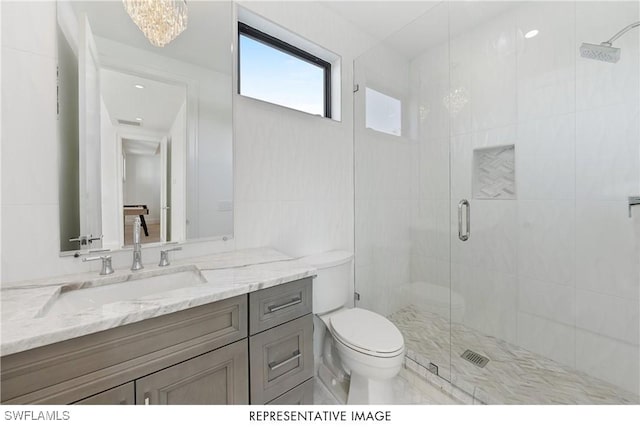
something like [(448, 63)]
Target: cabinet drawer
[(281, 358), (121, 395), (273, 306), (300, 395), (219, 377)]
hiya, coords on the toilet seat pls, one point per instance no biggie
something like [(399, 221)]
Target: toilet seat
[(367, 332)]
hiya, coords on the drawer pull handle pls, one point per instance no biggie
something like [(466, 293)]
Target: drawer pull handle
[(273, 308), (273, 365)]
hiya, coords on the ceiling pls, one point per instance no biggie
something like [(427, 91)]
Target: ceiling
[(407, 26), (380, 19), (411, 27), (157, 104), (206, 41), (140, 147)]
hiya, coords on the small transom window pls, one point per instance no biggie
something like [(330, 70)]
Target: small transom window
[(275, 71)]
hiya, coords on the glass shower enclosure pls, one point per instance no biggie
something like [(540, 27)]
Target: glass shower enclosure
[(493, 170)]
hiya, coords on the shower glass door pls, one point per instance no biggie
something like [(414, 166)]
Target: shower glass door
[(402, 202), (486, 113)]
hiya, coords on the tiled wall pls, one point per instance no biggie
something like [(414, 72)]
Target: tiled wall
[(29, 150), (293, 171), (557, 270)]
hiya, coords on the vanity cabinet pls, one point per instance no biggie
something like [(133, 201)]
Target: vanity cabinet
[(121, 395), (300, 395), (85, 367), (281, 342), (216, 378), (200, 355)]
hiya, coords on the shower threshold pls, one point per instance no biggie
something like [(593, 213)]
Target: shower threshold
[(514, 375)]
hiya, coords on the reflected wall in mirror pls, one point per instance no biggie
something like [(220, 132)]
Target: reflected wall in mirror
[(144, 131)]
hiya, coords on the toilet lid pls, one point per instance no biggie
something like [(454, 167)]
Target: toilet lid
[(367, 331)]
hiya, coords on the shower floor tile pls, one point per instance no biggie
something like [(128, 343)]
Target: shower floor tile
[(513, 375)]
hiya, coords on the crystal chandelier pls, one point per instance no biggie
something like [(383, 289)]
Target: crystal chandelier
[(160, 21)]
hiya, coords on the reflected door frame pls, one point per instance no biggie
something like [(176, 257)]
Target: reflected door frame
[(141, 136)]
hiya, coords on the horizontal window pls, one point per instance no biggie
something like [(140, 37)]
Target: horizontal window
[(275, 71)]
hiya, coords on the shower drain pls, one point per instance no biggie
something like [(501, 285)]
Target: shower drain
[(475, 358)]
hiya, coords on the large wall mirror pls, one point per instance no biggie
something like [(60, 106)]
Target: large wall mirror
[(144, 131)]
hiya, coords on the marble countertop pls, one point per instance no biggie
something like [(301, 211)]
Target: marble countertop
[(26, 325)]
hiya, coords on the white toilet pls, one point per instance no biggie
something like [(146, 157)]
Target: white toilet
[(363, 350)]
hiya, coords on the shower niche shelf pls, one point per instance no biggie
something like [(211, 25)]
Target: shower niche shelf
[(494, 173)]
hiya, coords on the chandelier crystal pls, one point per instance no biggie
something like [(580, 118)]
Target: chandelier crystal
[(160, 21)]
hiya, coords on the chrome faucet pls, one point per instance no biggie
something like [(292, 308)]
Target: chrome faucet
[(164, 256), (137, 250), (106, 263)]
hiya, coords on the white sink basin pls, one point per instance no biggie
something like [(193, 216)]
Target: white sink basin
[(107, 290)]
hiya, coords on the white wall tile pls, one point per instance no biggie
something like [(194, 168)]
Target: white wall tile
[(494, 235), (610, 316), (29, 148), (432, 70), (547, 338), (545, 158), (609, 360), (461, 80), (297, 228), (30, 26), (433, 167), (607, 249), (546, 241), (490, 299), (374, 292), (548, 300), (494, 85), (30, 244), (546, 62), (383, 167), (430, 228), (310, 158), (503, 135), (461, 165), (607, 152)]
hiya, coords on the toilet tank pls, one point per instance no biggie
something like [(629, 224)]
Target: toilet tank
[(332, 288)]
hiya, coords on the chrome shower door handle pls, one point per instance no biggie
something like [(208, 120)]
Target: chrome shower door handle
[(464, 203)]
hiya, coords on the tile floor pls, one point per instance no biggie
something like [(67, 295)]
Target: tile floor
[(408, 389), (513, 376)]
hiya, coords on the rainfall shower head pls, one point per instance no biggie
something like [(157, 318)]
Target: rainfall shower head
[(605, 51), (601, 52)]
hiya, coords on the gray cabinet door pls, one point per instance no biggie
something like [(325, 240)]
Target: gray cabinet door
[(281, 358), (219, 377), (121, 395)]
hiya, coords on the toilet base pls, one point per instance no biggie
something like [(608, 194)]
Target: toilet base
[(339, 388), (366, 391)]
